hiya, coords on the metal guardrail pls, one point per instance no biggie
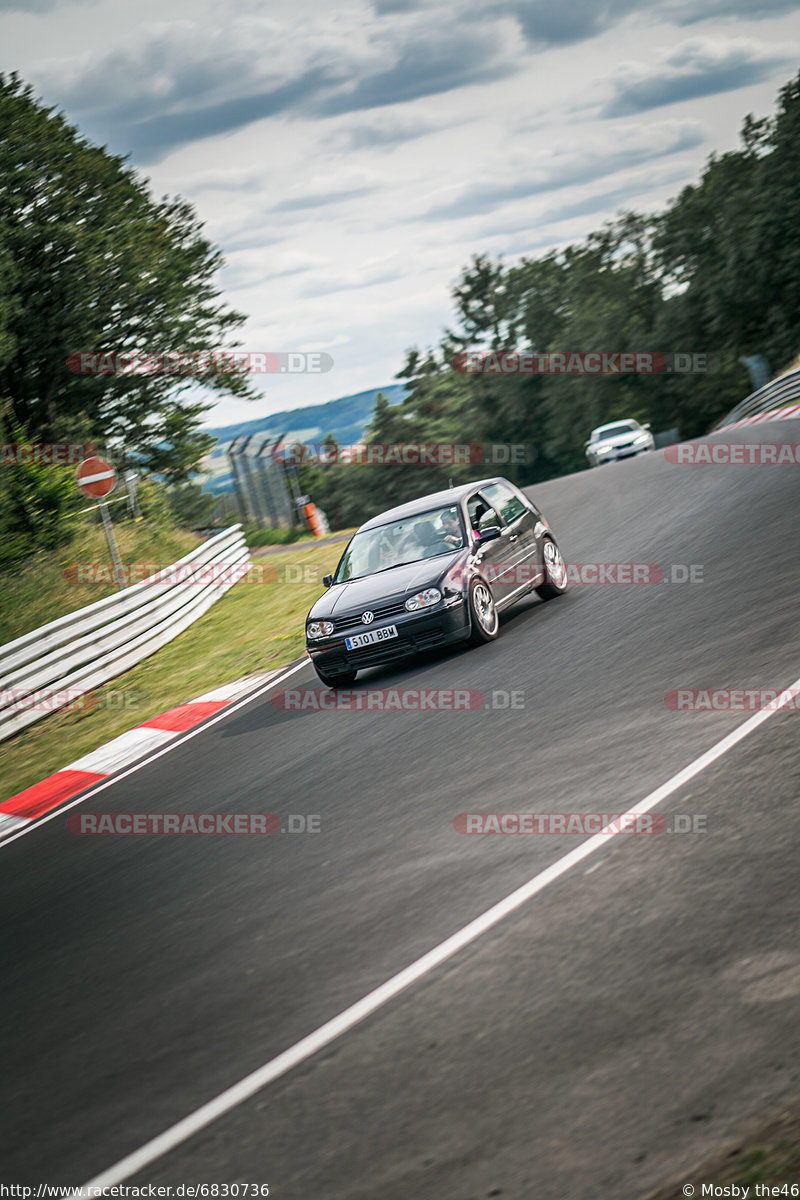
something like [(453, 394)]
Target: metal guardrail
[(78, 652), (778, 392)]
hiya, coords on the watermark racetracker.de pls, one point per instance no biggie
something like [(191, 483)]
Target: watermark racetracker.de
[(406, 454), (46, 453), (581, 362), (169, 574), (299, 700), (739, 454), (199, 362), (732, 699), (203, 824), (577, 824), (45, 700)]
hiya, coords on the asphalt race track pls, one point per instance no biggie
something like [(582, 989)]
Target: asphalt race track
[(620, 1024)]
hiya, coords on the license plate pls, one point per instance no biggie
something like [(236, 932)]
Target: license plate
[(370, 637)]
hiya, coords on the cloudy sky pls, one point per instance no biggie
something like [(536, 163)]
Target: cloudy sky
[(349, 161)]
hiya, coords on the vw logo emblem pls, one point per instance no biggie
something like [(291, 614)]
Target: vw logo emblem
[(368, 618)]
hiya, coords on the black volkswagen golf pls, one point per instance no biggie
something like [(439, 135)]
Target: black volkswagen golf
[(434, 571)]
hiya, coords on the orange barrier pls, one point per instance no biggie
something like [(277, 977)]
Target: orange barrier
[(309, 511)]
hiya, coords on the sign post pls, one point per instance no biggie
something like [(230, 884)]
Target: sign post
[(96, 478)]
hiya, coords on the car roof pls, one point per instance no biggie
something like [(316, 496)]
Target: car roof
[(425, 503)]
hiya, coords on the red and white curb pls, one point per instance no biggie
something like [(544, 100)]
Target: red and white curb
[(19, 811), (778, 414)]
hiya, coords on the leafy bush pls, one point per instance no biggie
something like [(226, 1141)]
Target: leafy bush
[(154, 503), (39, 504)]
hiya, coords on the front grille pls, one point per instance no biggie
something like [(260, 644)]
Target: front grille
[(625, 446), (382, 613), (367, 656)]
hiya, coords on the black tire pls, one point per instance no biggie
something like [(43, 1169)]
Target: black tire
[(555, 571), (345, 679), (482, 613)]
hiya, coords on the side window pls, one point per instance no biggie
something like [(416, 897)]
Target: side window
[(505, 501), (481, 515)]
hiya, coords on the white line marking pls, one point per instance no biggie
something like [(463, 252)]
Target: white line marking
[(337, 1026), (35, 822)]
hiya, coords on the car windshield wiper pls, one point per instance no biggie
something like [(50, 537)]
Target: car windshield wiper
[(392, 566)]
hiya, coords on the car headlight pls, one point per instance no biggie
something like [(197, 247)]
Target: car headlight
[(423, 599), (603, 449), (642, 437), (318, 629)]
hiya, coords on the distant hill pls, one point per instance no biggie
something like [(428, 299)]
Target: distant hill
[(346, 418)]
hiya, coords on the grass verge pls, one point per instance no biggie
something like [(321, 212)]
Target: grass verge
[(767, 1153), (254, 627), (41, 591)]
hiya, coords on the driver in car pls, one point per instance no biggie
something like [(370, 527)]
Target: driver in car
[(452, 528)]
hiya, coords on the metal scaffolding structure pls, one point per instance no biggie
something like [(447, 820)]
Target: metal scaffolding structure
[(260, 483)]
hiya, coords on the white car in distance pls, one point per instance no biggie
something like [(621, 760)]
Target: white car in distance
[(618, 439)]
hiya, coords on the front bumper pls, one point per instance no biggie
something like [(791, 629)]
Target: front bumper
[(440, 626), (616, 455)]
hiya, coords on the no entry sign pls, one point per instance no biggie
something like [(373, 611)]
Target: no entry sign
[(96, 477)]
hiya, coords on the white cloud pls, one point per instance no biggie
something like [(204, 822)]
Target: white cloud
[(180, 81), (695, 67), (602, 158)]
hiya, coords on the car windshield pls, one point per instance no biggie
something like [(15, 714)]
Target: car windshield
[(615, 431), (413, 539)]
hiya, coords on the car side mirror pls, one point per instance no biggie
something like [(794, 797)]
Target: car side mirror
[(490, 533), (327, 580), (647, 426)]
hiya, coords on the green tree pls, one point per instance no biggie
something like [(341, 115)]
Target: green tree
[(729, 247), (190, 505), (778, 214), (90, 263)]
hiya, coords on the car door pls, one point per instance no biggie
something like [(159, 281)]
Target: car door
[(495, 557), (519, 529)]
